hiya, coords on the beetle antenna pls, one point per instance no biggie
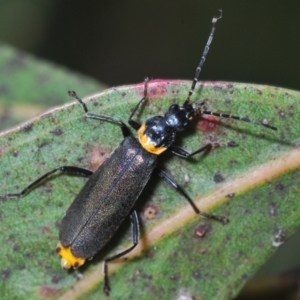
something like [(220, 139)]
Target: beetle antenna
[(244, 119), (203, 57)]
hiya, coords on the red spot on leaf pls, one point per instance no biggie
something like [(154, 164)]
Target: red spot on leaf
[(208, 123), (156, 88), (46, 291)]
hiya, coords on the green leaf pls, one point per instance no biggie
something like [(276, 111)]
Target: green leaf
[(28, 86), (255, 184)]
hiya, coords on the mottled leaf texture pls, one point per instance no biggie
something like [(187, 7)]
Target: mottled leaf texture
[(255, 184)]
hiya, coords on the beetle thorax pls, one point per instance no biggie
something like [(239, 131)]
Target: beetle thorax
[(179, 117), (158, 133)]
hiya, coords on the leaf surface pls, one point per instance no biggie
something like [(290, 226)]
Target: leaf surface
[(255, 184)]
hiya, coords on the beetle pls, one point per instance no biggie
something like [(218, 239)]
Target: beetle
[(110, 193)]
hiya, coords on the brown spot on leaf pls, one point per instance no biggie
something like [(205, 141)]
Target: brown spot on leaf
[(97, 157), (202, 229), (46, 229), (203, 250), (57, 131), (43, 144), (150, 212), (55, 121), (230, 195), (27, 127), (273, 209), (281, 113), (197, 274), (46, 291), (56, 278), (5, 273), (218, 177), (279, 186)]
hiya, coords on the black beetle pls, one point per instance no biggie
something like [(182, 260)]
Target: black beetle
[(109, 195)]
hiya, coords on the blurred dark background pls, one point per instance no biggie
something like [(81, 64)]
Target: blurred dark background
[(120, 42)]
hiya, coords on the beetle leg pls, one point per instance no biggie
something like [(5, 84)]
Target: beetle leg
[(179, 189), (185, 154), (124, 128), (135, 125), (135, 239), (64, 169)]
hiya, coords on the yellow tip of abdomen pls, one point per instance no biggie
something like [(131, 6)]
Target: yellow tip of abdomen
[(68, 259)]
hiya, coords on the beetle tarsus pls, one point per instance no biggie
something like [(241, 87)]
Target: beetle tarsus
[(106, 287)]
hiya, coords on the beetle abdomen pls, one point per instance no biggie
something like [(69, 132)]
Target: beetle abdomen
[(106, 199)]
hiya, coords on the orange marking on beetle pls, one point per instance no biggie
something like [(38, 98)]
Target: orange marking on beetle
[(146, 143)]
